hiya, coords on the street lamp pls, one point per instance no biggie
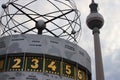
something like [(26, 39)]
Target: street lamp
[(95, 21)]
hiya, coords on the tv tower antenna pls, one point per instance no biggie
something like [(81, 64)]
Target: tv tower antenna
[(95, 21), (92, 1)]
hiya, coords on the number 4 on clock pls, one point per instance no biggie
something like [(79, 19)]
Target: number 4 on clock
[(52, 66)]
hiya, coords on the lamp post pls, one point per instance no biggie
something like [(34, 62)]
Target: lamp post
[(95, 21)]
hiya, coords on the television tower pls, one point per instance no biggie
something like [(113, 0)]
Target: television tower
[(95, 21)]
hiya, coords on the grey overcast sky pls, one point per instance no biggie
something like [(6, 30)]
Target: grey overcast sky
[(109, 35)]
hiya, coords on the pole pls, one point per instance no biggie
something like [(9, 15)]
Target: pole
[(98, 56)]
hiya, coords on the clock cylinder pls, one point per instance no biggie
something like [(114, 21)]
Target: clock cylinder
[(39, 57)]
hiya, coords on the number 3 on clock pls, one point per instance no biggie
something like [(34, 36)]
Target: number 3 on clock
[(35, 63)]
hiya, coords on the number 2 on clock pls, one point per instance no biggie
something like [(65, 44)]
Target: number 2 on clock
[(17, 63)]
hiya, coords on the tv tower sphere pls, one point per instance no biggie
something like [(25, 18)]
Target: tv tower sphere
[(94, 19)]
